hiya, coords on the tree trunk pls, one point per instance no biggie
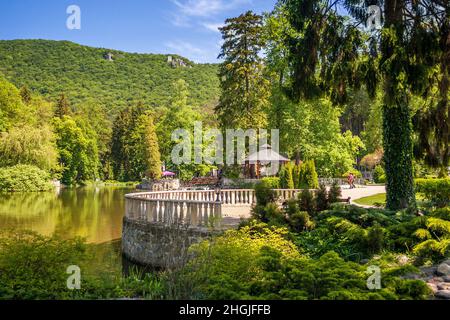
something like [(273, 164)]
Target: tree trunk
[(397, 126)]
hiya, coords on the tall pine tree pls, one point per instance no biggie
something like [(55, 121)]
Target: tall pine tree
[(245, 89), (152, 147), (62, 107)]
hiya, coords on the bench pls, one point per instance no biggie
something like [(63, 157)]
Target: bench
[(345, 200)]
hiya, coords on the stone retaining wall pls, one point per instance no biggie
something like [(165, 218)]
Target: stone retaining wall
[(159, 245)]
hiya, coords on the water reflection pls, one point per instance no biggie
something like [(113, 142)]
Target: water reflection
[(93, 213)]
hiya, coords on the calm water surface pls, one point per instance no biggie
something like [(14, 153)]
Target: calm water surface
[(94, 213)]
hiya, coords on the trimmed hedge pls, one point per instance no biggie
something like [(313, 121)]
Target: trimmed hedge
[(24, 178), (435, 190)]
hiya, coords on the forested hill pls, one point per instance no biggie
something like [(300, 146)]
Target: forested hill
[(83, 73)]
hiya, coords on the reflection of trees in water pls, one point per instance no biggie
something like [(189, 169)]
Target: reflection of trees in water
[(105, 259), (35, 211), (93, 213)]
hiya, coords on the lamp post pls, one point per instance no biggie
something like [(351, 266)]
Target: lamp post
[(217, 191)]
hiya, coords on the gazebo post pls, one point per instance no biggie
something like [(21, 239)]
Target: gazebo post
[(258, 174)]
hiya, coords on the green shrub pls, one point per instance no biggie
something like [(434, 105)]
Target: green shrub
[(435, 190), (306, 201), (335, 193), (308, 177), (33, 267), (258, 263), (322, 198), (296, 173), (375, 238), (301, 170), (232, 172), (226, 267), (24, 178), (264, 194), (286, 178), (300, 221), (271, 182), (274, 215), (379, 175), (290, 177)]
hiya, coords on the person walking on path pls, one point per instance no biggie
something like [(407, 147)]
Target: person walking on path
[(351, 181)]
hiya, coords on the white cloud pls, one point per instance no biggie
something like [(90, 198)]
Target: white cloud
[(183, 46), (204, 15), (188, 50), (213, 26), (206, 8), (180, 21)]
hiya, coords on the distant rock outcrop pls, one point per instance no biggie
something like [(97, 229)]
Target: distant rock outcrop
[(108, 56), (177, 62)]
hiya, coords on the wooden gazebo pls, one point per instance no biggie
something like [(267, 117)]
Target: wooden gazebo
[(258, 164)]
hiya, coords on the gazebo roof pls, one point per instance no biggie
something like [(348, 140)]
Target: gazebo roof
[(266, 154)]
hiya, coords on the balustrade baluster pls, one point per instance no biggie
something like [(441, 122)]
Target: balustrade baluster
[(161, 211), (153, 212), (194, 214), (166, 212), (217, 214), (182, 212), (188, 213), (206, 214)]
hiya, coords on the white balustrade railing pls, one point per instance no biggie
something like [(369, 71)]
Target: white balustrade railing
[(167, 211), (191, 207)]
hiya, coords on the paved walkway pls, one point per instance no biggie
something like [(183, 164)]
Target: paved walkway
[(233, 213), (362, 191)]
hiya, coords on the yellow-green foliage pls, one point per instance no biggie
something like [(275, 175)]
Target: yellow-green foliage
[(271, 182), (230, 262), (286, 177), (352, 230), (24, 178), (308, 176), (34, 267), (430, 247), (422, 234), (433, 234), (435, 190), (237, 251), (438, 225)]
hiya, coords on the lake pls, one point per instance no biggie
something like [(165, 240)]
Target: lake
[(94, 213)]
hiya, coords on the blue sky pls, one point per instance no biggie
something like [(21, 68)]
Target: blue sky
[(185, 27)]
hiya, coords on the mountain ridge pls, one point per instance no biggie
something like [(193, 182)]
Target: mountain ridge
[(86, 74)]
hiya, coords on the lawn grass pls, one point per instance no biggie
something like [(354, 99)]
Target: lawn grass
[(374, 200), (379, 200)]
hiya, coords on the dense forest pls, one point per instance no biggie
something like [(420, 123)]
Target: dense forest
[(102, 106), (49, 68), (81, 114)]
